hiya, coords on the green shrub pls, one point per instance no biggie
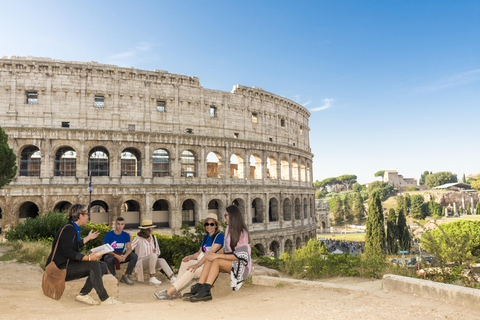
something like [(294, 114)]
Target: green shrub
[(103, 228), (40, 228), (31, 252)]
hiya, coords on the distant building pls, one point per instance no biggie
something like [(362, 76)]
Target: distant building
[(473, 176), (398, 181)]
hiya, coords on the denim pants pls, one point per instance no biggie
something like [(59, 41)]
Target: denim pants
[(94, 270), (131, 259)]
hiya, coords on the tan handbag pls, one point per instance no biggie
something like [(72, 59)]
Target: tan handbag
[(53, 282)]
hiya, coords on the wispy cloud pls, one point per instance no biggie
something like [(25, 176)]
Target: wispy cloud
[(327, 103), (132, 56), (455, 80), (297, 99)]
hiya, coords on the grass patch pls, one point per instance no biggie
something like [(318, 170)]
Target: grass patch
[(281, 284), (343, 236), (26, 251)]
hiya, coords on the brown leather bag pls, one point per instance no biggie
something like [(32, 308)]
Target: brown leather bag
[(53, 282)]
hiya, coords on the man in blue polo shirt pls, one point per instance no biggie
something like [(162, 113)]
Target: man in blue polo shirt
[(121, 244)]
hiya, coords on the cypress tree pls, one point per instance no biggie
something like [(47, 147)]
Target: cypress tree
[(477, 210), (337, 211), (358, 207), (8, 161), (417, 209), (347, 208), (375, 237), (402, 229), (392, 234)]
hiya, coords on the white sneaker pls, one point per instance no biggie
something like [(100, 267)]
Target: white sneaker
[(112, 300), (154, 281), (173, 279), (86, 298)]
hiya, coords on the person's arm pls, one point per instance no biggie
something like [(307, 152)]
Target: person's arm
[(212, 250), (192, 256), (67, 246)]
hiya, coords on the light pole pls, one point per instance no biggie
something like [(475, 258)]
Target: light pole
[(90, 189)]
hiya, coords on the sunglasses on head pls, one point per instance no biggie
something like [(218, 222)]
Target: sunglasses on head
[(211, 224)]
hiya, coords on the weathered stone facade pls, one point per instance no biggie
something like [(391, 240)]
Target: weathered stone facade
[(158, 146)]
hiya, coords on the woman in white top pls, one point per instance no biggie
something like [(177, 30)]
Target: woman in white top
[(148, 251)]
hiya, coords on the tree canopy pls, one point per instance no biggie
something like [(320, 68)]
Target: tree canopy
[(384, 189), (8, 161), (379, 174), (375, 233), (439, 178), (423, 176)]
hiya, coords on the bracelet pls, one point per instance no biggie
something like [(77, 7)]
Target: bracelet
[(88, 257)]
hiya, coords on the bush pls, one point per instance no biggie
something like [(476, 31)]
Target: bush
[(31, 252), (413, 188), (103, 228), (40, 228)]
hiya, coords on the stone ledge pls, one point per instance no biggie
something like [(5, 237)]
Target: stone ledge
[(453, 294), (72, 288), (275, 281)]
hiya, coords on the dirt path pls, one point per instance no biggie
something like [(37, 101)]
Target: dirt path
[(21, 297)]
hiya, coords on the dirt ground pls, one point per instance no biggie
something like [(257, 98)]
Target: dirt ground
[(21, 297)]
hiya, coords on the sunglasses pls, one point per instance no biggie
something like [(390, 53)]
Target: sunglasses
[(209, 224)]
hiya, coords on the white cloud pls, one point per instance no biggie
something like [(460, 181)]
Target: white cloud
[(455, 80), (131, 57), (327, 103)]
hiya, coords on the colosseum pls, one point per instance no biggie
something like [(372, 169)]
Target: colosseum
[(154, 145)]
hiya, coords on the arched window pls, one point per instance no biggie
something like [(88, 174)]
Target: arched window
[(302, 172), (295, 170), (98, 162), (285, 169), (131, 163), (65, 162), (188, 164), (255, 167), (214, 165), (30, 161), (236, 166), (271, 168), (160, 163)]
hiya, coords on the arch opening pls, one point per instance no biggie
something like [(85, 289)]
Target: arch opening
[(285, 169), (65, 162), (260, 248), (287, 210), (236, 166), (131, 164), (30, 162), (160, 163), (295, 170), (255, 167), (273, 210), (99, 162), (214, 165), (297, 209), (189, 213), (62, 206), (161, 214), (271, 168), (305, 208), (98, 212), (257, 210), (275, 247), (289, 247), (28, 210), (130, 211), (188, 163)]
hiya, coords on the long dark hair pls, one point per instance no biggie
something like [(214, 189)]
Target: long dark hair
[(235, 225)]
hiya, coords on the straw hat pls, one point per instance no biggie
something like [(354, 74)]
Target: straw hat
[(146, 224), (213, 217)]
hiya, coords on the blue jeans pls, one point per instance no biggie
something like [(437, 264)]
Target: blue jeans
[(94, 270), (131, 259)]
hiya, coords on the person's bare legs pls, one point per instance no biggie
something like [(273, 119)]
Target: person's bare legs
[(218, 265)]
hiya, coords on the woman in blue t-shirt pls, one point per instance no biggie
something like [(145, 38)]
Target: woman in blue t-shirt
[(192, 265)]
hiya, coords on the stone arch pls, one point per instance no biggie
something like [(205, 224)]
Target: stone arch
[(99, 162), (312, 208), (99, 212), (161, 213), (289, 247), (308, 172), (271, 167), (28, 209), (30, 161), (130, 211), (257, 210), (62, 206), (297, 209), (188, 163), (160, 163), (298, 243), (190, 212), (302, 171), (240, 203), (306, 239), (260, 248), (215, 165), (255, 166), (285, 169), (131, 164), (305, 208), (65, 162), (295, 170), (216, 206), (273, 209), (323, 225), (287, 210), (275, 247), (236, 166)]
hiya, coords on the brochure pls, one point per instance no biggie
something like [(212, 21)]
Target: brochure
[(104, 248)]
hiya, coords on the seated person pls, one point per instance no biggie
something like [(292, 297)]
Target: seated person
[(120, 241), (148, 251), (192, 265)]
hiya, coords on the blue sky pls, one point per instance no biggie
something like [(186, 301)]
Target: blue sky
[(392, 85)]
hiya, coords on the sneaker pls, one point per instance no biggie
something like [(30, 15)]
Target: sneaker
[(112, 300), (163, 295), (127, 280), (154, 281), (86, 298), (173, 279)]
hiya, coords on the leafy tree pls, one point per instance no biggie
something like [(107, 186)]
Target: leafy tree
[(434, 209), (8, 161), (417, 210), (380, 174), (413, 188), (460, 210), (453, 242), (469, 209), (337, 210), (358, 207), (375, 235), (357, 187), (402, 228), (382, 188), (422, 177), (347, 208), (347, 180), (439, 178), (327, 182), (475, 184), (392, 234), (319, 194), (408, 202)]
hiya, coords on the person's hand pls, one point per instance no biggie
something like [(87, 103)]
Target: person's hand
[(213, 256), (91, 235), (186, 259), (120, 258), (193, 268), (95, 256)]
